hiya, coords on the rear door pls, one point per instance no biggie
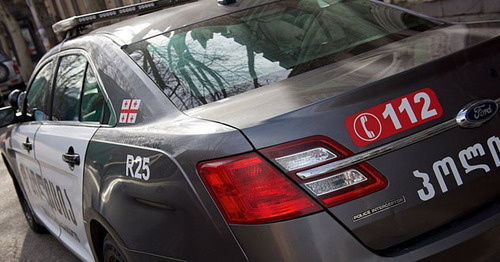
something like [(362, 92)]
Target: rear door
[(62, 144)]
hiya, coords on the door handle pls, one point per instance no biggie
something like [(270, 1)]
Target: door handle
[(28, 146), (71, 158)]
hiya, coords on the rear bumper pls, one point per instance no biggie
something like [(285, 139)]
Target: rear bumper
[(483, 247), (320, 238)]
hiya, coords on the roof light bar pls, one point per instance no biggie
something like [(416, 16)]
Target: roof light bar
[(135, 9)]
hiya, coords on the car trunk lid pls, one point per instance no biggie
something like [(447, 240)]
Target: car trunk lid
[(458, 64)]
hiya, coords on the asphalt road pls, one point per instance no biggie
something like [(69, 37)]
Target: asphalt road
[(17, 241)]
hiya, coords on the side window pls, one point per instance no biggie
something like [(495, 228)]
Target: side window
[(94, 107), (69, 82), (38, 97)]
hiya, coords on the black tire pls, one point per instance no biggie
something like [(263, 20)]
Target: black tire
[(30, 216), (4, 73), (111, 251)]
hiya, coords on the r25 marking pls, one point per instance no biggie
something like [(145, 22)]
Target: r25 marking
[(447, 166), (138, 167)]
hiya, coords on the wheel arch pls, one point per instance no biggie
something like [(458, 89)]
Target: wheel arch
[(97, 228)]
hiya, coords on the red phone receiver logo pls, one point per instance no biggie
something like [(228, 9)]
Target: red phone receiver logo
[(393, 117), (367, 127)]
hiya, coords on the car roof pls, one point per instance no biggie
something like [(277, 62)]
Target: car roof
[(148, 25)]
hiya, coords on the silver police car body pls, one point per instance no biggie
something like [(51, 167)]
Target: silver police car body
[(264, 131)]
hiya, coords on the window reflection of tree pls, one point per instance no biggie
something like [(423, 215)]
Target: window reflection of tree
[(193, 68), (39, 92), (278, 34), (200, 84), (92, 101), (186, 65), (167, 81), (69, 81)]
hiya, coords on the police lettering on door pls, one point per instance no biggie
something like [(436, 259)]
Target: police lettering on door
[(53, 194)]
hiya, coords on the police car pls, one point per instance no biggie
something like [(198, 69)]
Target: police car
[(311, 130)]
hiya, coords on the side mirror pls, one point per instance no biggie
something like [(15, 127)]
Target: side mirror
[(7, 116), (16, 98)]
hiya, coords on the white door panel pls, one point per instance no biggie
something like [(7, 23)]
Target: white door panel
[(37, 188), (52, 142)]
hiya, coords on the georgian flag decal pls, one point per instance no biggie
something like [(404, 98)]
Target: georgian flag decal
[(130, 108)]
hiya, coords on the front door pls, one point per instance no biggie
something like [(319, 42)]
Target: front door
[(64, 147), (36, 187)]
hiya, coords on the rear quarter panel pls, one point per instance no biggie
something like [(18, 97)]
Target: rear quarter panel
[(169, 214)]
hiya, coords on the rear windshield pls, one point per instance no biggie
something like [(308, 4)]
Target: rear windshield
[(232, 54)]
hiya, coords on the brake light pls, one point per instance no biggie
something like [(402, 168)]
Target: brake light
[(249, 190), (332, 188), (16, 68)]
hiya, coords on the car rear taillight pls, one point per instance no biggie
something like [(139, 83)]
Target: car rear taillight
[(249, 190), (16, 68), (330, 188)]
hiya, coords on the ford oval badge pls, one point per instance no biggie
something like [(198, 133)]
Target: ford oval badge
[(477, 113)]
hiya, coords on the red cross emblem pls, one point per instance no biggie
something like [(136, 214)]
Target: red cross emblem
[(129, 110)]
